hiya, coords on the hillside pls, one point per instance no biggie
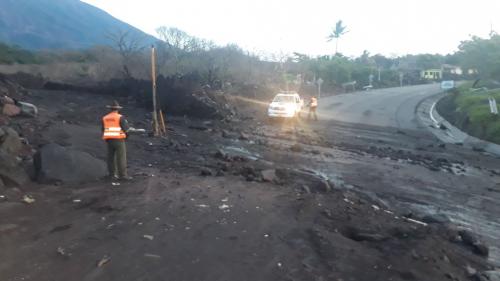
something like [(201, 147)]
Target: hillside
[(61, 24)]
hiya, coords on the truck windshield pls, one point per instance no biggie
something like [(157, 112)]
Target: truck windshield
[(284, 99)]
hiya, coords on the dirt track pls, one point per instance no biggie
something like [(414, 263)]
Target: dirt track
[(232, 226)]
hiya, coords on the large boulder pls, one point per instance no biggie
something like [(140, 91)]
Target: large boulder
[(11, 172), (54, 163), (10, 141)]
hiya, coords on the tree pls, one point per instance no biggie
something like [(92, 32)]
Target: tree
[(175, 43), (129, 46), (337, 32), (481, 55)]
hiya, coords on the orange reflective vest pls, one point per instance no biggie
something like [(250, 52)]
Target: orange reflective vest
[(112, 128), (314, 102)]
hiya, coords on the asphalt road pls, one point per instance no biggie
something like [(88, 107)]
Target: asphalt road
[(393, 107), (469, 198)]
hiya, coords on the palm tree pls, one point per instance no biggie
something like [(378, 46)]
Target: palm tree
[(336, 33)]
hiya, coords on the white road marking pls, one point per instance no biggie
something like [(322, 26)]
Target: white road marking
[(432, 114)]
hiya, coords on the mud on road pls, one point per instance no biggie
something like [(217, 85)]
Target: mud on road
[(250, 200)]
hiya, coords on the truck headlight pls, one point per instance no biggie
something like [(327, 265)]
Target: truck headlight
[(290, 108)]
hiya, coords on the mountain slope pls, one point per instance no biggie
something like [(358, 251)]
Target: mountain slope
[(62, 24)]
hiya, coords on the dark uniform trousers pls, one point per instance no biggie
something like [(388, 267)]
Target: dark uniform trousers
[(312, 111), (117, 158)]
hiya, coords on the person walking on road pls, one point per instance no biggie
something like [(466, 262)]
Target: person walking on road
[(313, 105), (114, 132)]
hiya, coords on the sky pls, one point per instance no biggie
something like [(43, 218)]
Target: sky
[(388, 27)]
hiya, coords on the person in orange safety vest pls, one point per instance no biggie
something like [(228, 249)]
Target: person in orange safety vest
[(313, 105), (114, 132)]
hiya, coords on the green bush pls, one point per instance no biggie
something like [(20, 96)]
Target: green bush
[(13, 54), (474, 106)]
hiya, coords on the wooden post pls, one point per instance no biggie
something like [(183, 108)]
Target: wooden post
[(153, 79), (163, 126)]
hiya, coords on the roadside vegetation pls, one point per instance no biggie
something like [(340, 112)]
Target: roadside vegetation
[(467, 107), (14, 54), (180, 54)]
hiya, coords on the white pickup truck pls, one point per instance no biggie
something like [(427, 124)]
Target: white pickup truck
[(285, 105)]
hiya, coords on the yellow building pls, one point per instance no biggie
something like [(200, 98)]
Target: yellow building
[(431, 74)]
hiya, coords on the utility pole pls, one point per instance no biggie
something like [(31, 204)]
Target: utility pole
[(401, 75), (156, 130), (319, 81), (379, 73)]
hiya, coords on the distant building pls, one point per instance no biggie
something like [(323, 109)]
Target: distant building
[(452, 69), (446, 71), (431, 74)]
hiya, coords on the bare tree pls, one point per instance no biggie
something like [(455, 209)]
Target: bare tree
[(129, 46), (175, 37), (177, 43)]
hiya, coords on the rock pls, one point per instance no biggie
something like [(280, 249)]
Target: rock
[(11, 206), (54, 163), (250, 178), (326, 186), (296, 148), (206, 172), (220, 154), (11, 173), (10, 142), (11, 110), (449, 276), (306, 189), (315, 152), (152, 256), (414, 254), (244, 136), (198, 127), (28, 199), (359, 235), (228, 135), (470, 270), (103, 261), (268, 175), (317, 183), (248, 172), (478, 149), (436, 218), (6, 228), (13, 176), (468, 237), (491, 275), (148, 237), (481, 249), (262, 142), (61, 251), (371, 237)]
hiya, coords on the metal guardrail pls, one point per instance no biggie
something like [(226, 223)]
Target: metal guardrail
[(493, 105)]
